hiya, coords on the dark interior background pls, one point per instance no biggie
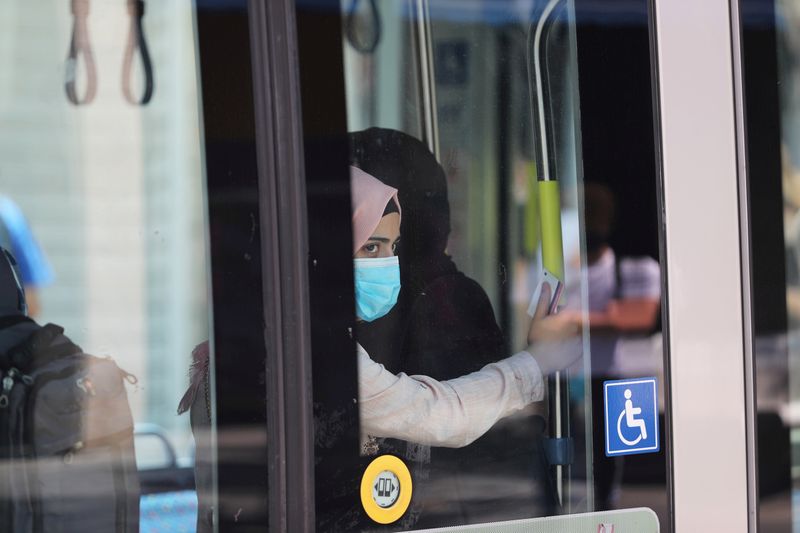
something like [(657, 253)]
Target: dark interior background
[(235, 248)]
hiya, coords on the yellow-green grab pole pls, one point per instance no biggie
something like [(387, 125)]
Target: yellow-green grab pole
[(560, 443), (550, 216)]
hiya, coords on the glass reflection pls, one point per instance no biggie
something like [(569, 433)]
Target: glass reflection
[(467, 162), (101, 204)]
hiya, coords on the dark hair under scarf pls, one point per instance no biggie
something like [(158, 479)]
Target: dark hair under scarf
[(405, 163)]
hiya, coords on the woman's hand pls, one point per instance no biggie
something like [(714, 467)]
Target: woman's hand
[(556, 327), (554, 340)]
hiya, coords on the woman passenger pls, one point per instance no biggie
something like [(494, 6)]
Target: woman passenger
[(443, 326), (420, 409)]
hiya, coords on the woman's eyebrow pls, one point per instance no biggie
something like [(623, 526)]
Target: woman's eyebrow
[(379, 239)]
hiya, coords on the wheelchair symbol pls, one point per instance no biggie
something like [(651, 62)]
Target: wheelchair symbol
[(629, 414)]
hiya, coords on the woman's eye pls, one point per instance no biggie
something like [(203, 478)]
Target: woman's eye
[(371, 248)]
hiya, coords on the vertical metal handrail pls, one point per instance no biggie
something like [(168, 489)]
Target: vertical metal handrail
[(552, 252), (427, 77)]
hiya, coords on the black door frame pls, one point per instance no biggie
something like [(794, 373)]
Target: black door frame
[(258, 250), (284, 240)]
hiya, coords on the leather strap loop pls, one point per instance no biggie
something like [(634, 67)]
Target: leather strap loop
[(136, 39), (80, 46)]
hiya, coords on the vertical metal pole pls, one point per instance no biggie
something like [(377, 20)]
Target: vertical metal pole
[(558, 383), (552, 259), (427, 79)]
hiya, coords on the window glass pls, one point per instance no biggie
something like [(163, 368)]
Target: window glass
[(770, 55), (102, 203), (486, 161)]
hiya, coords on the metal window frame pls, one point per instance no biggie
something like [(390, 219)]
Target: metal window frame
[(281, 176), (699, 97), (748, 330)]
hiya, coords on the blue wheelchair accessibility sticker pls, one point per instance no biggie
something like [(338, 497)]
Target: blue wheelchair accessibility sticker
[(631, 416)]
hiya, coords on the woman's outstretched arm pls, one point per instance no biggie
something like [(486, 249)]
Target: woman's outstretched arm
[(454, 413), (449, 413)]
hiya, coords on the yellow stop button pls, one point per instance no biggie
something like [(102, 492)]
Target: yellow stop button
[(386, 489)]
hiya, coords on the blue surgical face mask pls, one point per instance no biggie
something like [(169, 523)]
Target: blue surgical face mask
[(377, 283)]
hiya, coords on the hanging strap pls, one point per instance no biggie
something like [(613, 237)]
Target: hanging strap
[(80, 46), (136, 40), (365, 44)]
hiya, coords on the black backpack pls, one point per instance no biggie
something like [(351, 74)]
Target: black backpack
[(66, 438)]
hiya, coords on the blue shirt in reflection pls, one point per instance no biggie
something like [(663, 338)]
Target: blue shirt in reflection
[(17, 237)]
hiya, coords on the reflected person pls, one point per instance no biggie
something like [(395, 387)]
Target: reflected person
[(67, 430), (623, 299), (17, 237)]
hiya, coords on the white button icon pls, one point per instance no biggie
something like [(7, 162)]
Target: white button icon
[(629, 413), (386, 489)]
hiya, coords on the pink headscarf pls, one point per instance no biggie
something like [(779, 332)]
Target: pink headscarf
[(369, 197)]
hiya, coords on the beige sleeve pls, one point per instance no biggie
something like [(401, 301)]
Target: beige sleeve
[(449, 413)]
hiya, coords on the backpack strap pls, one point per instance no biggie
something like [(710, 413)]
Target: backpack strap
[(38, 349), (12, 320)]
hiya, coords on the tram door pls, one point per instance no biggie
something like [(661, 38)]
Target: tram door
[(412, 265), (502, 133)]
